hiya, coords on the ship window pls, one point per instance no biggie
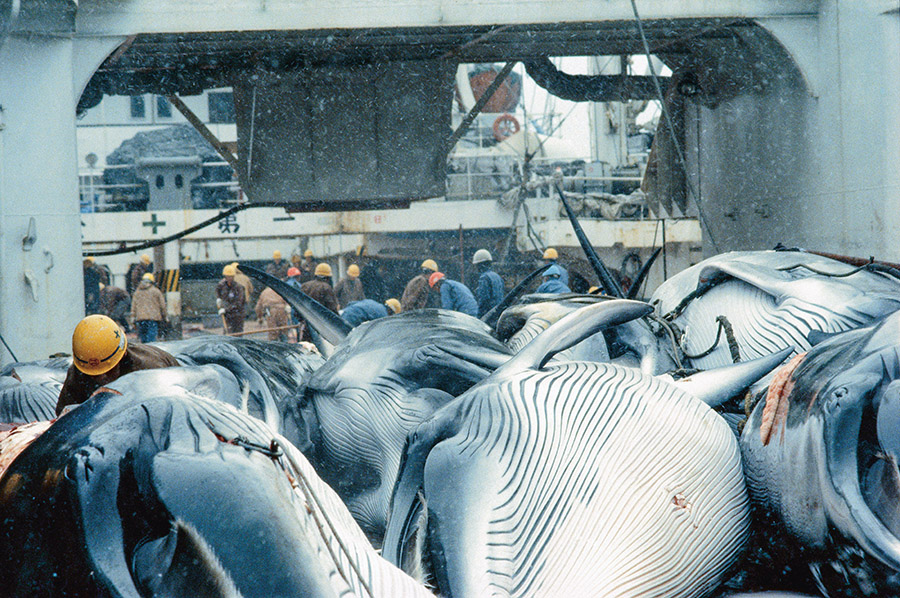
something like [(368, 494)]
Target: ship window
[(179, 181), (160, 181), (138, 110), (163, 107), (221, 107)]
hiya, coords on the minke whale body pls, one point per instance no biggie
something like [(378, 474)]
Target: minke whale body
[(746, 304), (821, 450), (389, 375), (157, 487), (572, 479)]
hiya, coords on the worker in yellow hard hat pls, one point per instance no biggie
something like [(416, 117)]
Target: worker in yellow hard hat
[(417, 295), (307, 266), (319, 288), (101, 354), (551, 257), (148, 309), (231, 299), (277, 267), (393, 306), (349, 288)]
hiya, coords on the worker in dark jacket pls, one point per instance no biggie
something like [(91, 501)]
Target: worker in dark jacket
[(115, 303), (552, 282), (349, 289), (489, 291), (91, 286), (136, 273), (320, 289), (101, 354), (307, 266), (230, 299), (454, 295), (416, 293), (277, 267)]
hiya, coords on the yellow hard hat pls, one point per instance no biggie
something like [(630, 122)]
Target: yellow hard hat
[(89, 259), (593, 290), (550, 254), (353, 271), (276, 255), (145, 259), (393, 305), (308, 253), (430, 265), (229, 270), (148, 276), (98, 344), (323, 269)]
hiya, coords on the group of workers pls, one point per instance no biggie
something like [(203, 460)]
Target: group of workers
[(433, 285), (101, 352), (429, 288)]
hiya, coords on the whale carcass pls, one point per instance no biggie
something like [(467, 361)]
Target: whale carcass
[(154, 487), (821, 450), (572, 479), (746, 304), (388, 376)]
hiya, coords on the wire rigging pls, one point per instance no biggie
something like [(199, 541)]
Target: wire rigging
[(670, 126)]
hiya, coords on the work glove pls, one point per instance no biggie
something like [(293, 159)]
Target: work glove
[(221, 311), (218, 303)]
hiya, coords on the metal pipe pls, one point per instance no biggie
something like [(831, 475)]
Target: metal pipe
[(204, 131)]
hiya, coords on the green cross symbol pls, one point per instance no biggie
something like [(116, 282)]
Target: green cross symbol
[(154, 223)]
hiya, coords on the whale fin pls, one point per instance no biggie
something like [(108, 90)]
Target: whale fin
[(329, 326), (717, 385), (642, 275), (406, 501), (571, 330)]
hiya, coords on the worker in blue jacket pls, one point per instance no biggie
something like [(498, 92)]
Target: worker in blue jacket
[(364, 310), (454, 295), (489, 291), (552, 283), (551, 257)]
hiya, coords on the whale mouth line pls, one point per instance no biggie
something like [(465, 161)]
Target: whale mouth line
[(877, 474)]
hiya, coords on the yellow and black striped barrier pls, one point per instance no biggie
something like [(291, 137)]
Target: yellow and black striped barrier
[(169, 281)]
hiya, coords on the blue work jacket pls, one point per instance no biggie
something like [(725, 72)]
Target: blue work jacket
[(553, 285), (363, 310), (489, 291), (457, 296)]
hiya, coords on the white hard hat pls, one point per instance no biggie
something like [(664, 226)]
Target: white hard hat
[(482, 255)]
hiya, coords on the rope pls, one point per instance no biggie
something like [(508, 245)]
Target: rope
[(306, 489), (668, 328), (8, 349), (876, 268), (733, 348)]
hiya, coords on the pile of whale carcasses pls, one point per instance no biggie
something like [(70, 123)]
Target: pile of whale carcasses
[(736, 434)]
